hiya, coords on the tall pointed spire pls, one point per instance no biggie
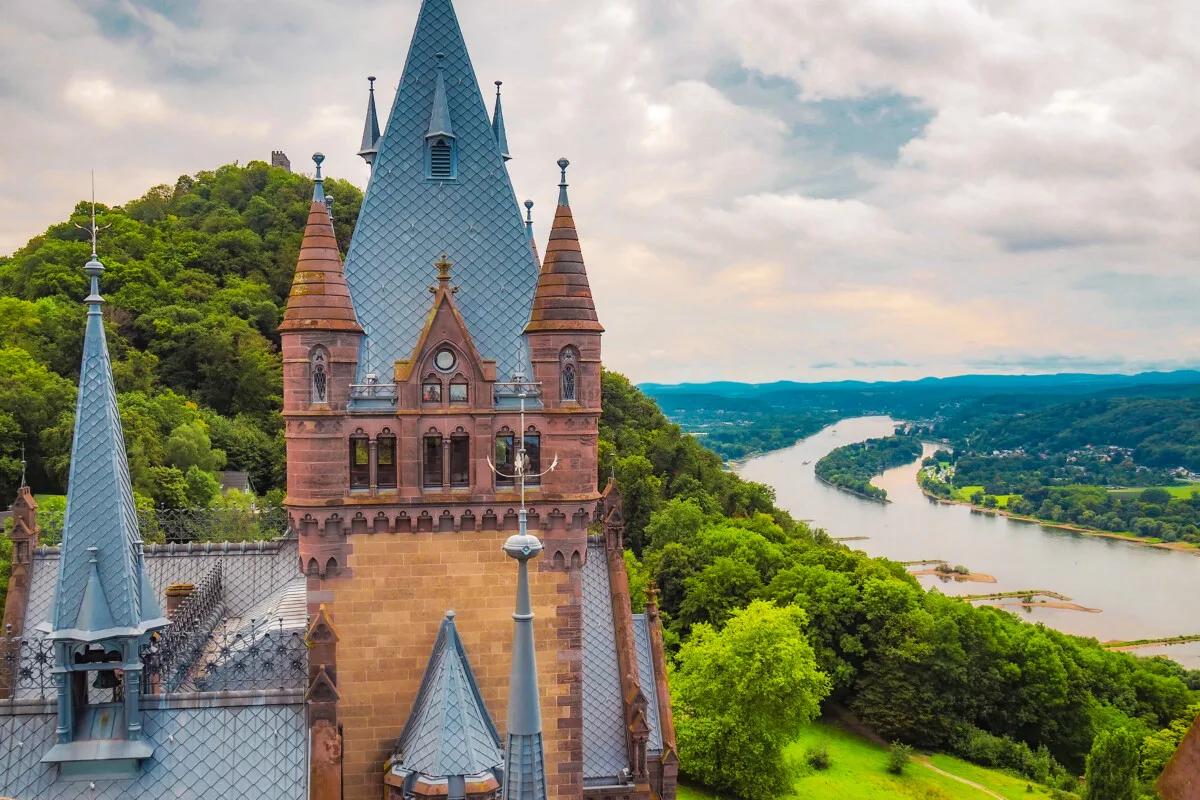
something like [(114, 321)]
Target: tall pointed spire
[(102, 587), (410, 213), (524, 757), (319, 299), (498, 126), (439, 116), (537, 259), (563, 300), (370, 140)]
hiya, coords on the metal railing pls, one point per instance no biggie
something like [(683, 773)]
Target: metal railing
[(257, 655), (169, 656), (373, 391), (187, 525), (27, 662)]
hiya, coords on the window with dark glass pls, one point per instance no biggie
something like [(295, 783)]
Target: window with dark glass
[(460, 460), (505, 459), (533, 458), (431, 392), (458, 392), (569, 377), (432, 462), (360, 463), (385, 447), (319, 369)]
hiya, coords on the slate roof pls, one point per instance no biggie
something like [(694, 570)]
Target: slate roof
[(100, 583), (253, 572), (645, 665), (249, 751), (319, 299), (604, 753), (407, 221), (563, 300), (370, 140), (449, 732)]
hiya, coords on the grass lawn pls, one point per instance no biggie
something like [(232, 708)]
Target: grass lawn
[(964, 493), (1184, 491), (857, 773)]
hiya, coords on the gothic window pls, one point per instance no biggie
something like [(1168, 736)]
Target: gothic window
[(442, 160), (431, 462), (318, 368), (458, 390), (460, 460), (533, 457), (505, 458), (385, 449), (360, 462), (569, 373), (431, 390)]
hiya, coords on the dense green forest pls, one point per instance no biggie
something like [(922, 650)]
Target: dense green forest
[(738, 434), (1063, 463), (196, 277), (916, 666), (851, 467)]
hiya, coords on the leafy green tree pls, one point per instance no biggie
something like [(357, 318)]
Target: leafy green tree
[(189, 446), (1112, 766), (202, 487), (168, 487), (743, 694)]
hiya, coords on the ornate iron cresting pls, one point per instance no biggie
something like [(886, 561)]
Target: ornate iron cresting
[(186, 525), (260, 654), (167, 658), (27, 665)]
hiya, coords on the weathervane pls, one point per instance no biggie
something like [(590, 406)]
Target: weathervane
[(521, 464), (93, 228)]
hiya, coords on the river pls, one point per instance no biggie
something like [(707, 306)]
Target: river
[(1142, 592)]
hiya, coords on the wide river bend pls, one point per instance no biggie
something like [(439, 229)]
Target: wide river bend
[(1142, 592)]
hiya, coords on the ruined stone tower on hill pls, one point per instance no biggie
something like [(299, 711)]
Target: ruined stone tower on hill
[(416, 377)]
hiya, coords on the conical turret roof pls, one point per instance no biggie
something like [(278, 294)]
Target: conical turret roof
[(449, 732), (320, 299), (563, 300)]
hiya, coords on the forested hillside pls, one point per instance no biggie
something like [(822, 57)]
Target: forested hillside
[(768, 620), (195, 279)]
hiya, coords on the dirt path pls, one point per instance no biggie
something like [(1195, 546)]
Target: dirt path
[(924, 762)]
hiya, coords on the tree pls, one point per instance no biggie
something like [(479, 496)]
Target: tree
[(743, 694), (1112, 766), (189, 446)]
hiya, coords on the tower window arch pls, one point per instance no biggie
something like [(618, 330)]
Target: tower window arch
[(385, 447), (318, 371), (568, 363), (360, 461)]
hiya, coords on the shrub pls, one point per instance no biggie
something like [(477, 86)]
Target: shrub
[(899, 756), (817, 756)]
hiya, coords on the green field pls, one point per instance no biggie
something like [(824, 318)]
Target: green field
[(857, 773), (1184, 491), (964, 493)]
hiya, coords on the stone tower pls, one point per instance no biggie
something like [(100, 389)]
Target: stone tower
[(415, 380)]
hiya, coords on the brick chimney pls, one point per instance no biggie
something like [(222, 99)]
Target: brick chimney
[(176, 593), (24, 536)]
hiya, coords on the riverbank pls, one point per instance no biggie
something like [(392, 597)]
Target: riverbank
[(1179, 547), (848, 490)]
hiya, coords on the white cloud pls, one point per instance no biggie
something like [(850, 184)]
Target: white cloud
[(1035, 218)]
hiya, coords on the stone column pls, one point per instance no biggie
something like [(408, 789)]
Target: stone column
[(373, 464)]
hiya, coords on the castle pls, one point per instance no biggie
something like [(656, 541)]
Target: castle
[(441, 401)]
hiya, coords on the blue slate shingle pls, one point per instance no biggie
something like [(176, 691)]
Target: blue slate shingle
[(406, 221)]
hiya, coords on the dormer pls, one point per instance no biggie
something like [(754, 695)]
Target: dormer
[(441, 146)]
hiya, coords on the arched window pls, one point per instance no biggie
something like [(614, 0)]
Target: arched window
[(431, 390), (318, 370), (385, 456), (432, 460), (360, 461), (460, 459), (568, 362), (533, 456), (505, 458), (458, 390)]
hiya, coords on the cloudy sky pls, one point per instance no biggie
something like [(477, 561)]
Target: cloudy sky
[(766, 189)]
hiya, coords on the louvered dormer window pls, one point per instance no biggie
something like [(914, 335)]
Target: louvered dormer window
[(441, 159)]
